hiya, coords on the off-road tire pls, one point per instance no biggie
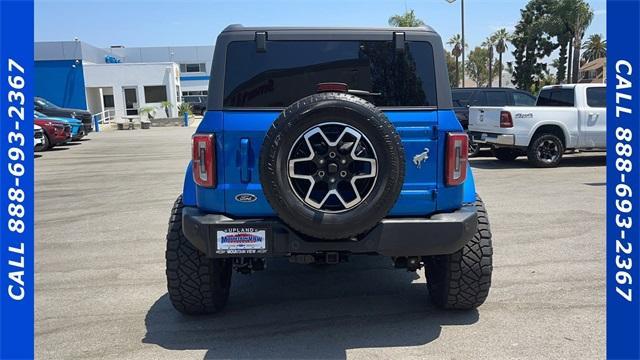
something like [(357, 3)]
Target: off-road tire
[(196, 284), (292, 123), (506, 154), (532, 151), (462, 280)]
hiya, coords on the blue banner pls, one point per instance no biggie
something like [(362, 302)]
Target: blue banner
[(16, 180), (623, 180)]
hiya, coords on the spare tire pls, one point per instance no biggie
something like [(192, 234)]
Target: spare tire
[(332, 166)]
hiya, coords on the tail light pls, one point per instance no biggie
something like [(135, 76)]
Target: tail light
[(456, 162), (505, 119), (203, 155)]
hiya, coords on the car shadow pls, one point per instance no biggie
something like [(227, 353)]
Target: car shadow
[(58, 148), (522, 162), (37, 156), (299, 311)]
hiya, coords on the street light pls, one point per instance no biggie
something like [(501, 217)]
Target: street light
[(462, 16)]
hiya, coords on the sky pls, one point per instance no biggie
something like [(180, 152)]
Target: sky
[(174, 23)]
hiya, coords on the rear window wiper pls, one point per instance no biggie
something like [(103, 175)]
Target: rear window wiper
[(344, 88)]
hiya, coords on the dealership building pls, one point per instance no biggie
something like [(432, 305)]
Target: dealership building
[(120, 81)]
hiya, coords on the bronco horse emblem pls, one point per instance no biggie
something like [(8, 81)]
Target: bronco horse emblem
[(420, 158)]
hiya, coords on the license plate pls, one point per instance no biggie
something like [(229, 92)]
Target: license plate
[(241, 240)]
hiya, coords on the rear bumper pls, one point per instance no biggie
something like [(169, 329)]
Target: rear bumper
[(439, 234), (491, 138)]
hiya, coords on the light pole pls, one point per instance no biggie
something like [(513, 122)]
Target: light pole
[(462, 18)]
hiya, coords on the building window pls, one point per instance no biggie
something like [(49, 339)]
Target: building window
[(108, 101), (155, 94), (189, 93), (192, 68)]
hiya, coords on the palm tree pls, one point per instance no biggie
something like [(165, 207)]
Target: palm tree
[(489, 44), (408, 19), (581, 19), (500, 39), (594, 48), (456, 42)]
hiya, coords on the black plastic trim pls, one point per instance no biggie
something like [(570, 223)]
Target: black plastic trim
[(443, 233)]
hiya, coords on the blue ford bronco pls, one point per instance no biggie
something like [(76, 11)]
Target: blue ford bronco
[(323, 143)]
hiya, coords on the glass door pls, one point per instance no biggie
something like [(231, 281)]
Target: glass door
[(131, 101)]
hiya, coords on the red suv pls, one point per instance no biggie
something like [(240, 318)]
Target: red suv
[(56, 133)]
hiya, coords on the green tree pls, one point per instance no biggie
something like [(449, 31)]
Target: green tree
[(452, 67), (544, 79), (556, 24), (500, 39), (594, 48), (531, 43), (489, 43), (581, 19), (456, 51), (477, 66), (408, 19)]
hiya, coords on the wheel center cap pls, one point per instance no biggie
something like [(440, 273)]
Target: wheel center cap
[(332, 168)]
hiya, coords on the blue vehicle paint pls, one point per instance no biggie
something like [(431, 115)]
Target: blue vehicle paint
[(77, 131), (239, 136)]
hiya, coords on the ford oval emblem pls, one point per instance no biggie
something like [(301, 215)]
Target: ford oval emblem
[(246, 197)]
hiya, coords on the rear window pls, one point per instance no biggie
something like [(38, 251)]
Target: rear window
[(497, 98), (290, 70), (521, 99), (597, 97), (461, 98), (556, 97)]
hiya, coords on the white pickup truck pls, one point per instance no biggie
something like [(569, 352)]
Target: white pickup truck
[(566, 117)]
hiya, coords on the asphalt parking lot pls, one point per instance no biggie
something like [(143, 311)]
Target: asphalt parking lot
[(102, 210)]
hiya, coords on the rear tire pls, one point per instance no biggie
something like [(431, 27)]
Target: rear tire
[(545, 151), (462, 280), (506, 154), (474, 148), (196, 284)]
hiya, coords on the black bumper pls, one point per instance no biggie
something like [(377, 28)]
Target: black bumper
[(439, 234)]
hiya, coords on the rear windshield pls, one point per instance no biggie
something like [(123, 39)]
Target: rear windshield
[(290, 70), (461, 97), (556, 97)]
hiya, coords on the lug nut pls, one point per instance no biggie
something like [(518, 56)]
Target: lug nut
[(332, 154), (321, 173), (343, 173), (343, 161), (321, 161), (332, 180)]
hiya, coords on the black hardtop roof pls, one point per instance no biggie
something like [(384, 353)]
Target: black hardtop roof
[(234, 33), (303, 29)]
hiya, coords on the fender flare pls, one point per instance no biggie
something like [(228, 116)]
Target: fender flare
[(189, 188), (469, 187), (562, 126)]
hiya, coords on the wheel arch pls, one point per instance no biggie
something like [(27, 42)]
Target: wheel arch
[(189, 188), (469, 187), (555, 128)]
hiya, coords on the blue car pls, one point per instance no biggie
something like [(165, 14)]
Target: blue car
[(77, 130), (321, 144)]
